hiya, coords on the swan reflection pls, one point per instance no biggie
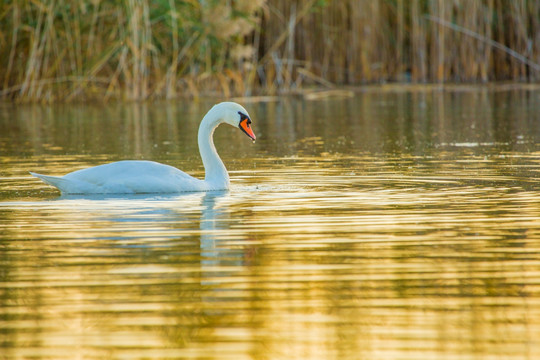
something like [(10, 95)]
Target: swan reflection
[(146, 221), (214, 227)]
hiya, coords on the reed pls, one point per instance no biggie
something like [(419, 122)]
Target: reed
[(374, 41), (60, 50)]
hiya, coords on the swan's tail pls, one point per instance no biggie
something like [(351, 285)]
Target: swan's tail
[(62, 184)]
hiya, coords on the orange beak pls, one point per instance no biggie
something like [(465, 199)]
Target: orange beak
[(245, 127)]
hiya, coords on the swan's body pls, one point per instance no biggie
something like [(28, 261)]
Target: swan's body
[(129, 177), (138, 177)]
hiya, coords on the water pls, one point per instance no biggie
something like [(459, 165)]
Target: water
[(392, 225)]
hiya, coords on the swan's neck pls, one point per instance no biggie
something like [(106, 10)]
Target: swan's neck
[(215, 172)]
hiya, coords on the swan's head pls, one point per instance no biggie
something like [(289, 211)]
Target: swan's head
[(235, 115)]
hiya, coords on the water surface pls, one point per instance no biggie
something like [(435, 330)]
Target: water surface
[(390, 225)]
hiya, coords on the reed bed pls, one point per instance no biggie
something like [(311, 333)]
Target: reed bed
[(61, 50)]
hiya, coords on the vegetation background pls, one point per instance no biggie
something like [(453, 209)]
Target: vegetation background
[(62, 50)]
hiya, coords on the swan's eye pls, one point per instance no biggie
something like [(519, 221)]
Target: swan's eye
[(243, 116)]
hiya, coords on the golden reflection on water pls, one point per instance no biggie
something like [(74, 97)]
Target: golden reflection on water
[(322, 249)]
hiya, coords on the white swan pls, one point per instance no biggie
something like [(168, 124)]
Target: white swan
[(145, 177)]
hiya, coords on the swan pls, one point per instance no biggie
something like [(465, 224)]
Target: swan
[(146, 177)]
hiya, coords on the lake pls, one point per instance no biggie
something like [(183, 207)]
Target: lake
[(398, 223)]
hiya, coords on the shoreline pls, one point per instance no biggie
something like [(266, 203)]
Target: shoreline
[(313, 93)]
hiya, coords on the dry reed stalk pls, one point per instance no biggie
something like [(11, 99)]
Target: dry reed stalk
[(137, 41), (419, 54), (14, 39), (519, 35), (534, 8), (354, 40), (400, 39), (33, 63), (171, 76), (438, 9)]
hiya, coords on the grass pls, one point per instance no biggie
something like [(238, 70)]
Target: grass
[(141, 49)]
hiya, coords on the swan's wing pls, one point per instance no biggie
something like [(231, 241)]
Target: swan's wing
[(132, 176), (125, 177)]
